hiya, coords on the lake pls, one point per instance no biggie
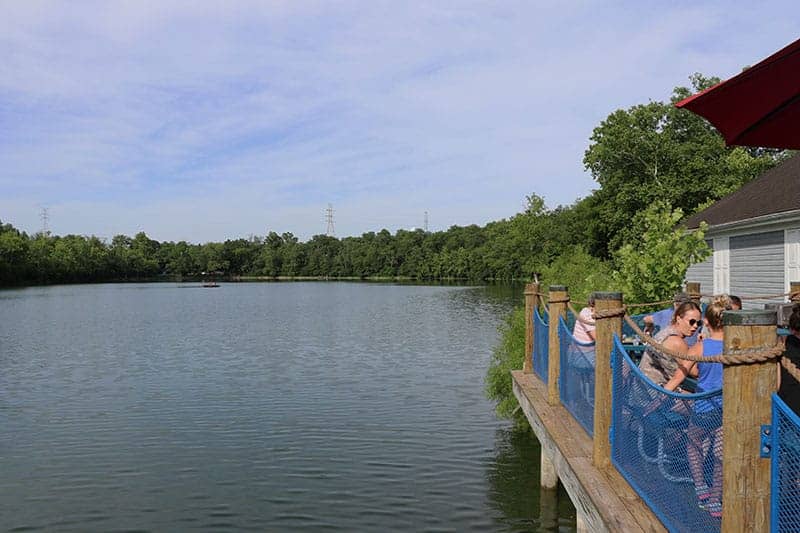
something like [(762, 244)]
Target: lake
[(307, 406)]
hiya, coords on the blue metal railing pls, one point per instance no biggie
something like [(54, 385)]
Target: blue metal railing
[(785, 468), (576, 376), (668, 446), (541, 344)]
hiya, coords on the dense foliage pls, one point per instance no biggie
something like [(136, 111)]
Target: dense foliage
[(504, 250)]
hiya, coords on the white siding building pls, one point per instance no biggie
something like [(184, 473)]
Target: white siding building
[(755, 235)]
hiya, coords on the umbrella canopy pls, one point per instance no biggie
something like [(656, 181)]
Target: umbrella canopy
[(760, 106)]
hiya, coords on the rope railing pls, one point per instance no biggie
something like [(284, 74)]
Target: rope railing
[(659, 426), (790, 295), (791, 368), (735, 358)]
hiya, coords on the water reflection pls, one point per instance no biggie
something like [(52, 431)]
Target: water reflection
[(272, 406), (514, 491)]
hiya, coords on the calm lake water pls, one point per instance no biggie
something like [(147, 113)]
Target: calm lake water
[(260, 406)]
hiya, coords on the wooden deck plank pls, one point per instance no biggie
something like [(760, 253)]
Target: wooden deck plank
[(603, 497)]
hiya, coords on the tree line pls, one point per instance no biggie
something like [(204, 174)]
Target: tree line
[(652, 162), (500, 250)]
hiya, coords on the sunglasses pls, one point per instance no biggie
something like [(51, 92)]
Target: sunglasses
[(693, 321)]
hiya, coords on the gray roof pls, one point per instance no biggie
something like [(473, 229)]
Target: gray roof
[(775, 191)]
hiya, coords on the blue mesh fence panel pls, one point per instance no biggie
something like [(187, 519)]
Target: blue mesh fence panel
[(785, 494), (541, 344), (576, 381), (570, 320), (668, 446)]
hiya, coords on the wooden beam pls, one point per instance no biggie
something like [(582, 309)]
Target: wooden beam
[(746, 405), (693, 288), (531, 301), (605, 328), (557, 298)]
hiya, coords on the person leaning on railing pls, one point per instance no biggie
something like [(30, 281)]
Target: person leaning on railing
[(789, 388), (704, 423), (584, 323), (660, 367)]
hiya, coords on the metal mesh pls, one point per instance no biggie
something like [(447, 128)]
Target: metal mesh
[(541, 344), (785, 497), (576, 380), (668, 446), (569, 319)]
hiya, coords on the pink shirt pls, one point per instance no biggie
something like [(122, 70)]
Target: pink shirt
[(581, 330)]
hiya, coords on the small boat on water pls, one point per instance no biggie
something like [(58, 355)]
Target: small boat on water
[(211, 281)]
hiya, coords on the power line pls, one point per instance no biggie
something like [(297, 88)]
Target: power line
[(330, 232)]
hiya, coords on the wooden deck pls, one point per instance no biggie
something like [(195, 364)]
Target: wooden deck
[(603, 499)]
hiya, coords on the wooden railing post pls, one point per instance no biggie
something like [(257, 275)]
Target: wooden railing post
[(747, 403), (693, 289), (605, 328), (557, 298), (531, 302), (794, 288)]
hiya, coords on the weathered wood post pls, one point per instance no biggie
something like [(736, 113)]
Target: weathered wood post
[(693, 289), (747, 404), (557, 298), (557, 305), (531, 302), (548, 509), (605, 328)]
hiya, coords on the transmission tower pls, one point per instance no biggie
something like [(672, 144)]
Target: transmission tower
[(425, 224), (330, 232), (44, 215)]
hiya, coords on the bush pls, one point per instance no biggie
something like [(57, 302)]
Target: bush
[(508, 355)]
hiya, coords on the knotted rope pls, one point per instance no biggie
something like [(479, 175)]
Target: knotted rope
[(790, 367), (791, 295)]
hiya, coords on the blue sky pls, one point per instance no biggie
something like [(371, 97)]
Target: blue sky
[(203, 121)]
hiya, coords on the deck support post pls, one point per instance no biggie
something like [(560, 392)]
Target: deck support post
[(531, 302), (557, 298), (747, 404), (548, 477), (605, 328), (548, 509)]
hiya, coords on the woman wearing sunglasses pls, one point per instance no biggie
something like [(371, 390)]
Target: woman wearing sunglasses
[(659, 367), (705, 426)]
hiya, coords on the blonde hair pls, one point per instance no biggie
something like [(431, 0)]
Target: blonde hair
[(684, 308), (714, 311)]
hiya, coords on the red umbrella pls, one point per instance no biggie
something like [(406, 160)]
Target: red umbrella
[(760, 106)]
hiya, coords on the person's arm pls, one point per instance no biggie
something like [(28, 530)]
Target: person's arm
[(684, 366)]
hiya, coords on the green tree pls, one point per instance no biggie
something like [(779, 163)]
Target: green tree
[(654, 267), (654, 151), (13, 255)]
